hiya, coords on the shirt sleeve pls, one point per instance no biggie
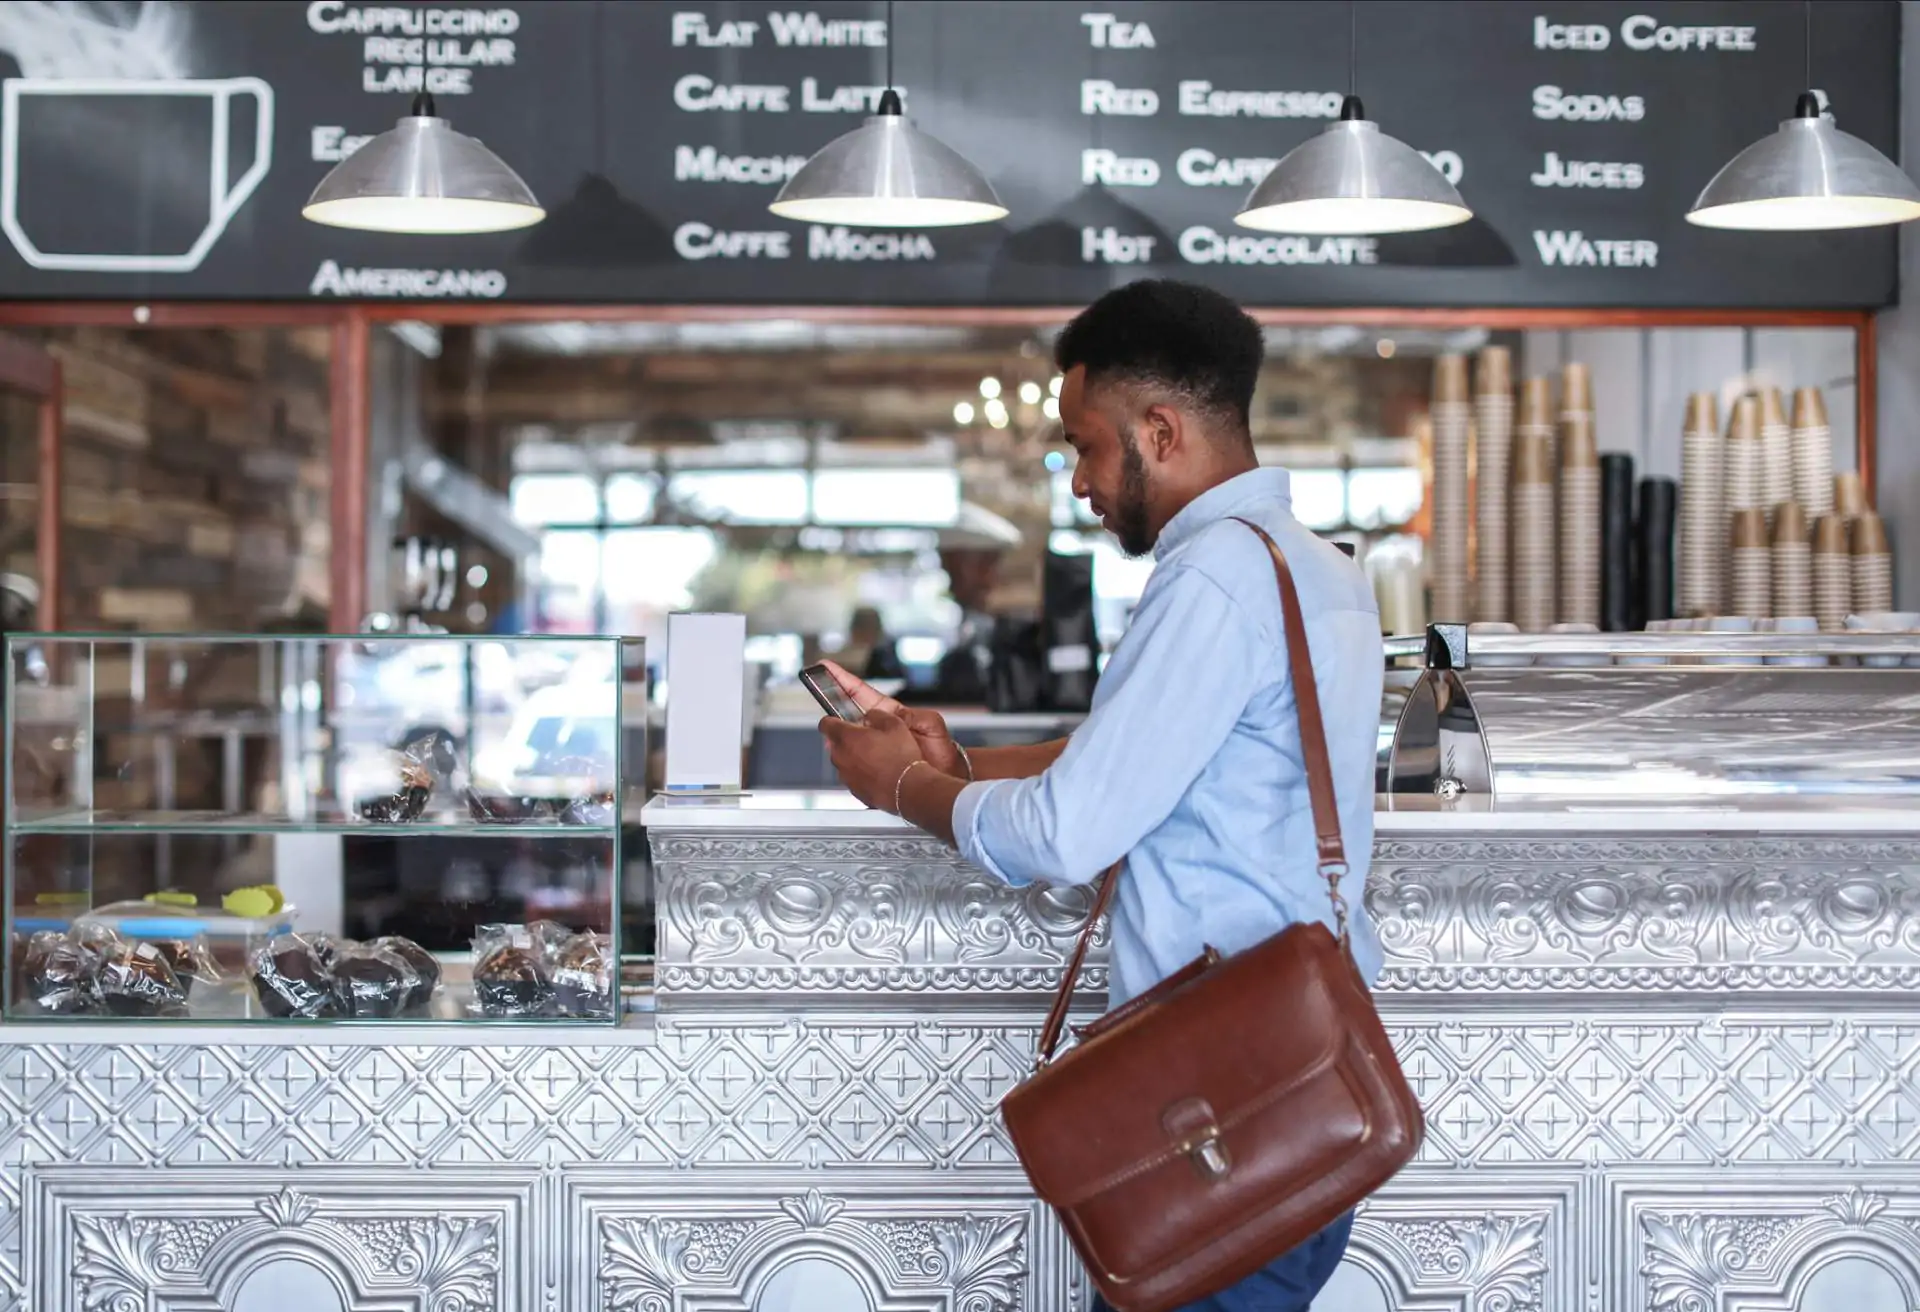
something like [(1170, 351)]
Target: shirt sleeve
[(1190, 663)]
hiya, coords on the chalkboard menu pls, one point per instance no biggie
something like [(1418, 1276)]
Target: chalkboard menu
[(163, 150)]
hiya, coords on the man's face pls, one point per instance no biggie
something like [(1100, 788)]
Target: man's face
[(1109, 471)]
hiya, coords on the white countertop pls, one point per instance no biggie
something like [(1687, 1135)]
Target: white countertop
[(832, 809)]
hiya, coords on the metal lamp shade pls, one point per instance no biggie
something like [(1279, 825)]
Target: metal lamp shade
[(423, 177), (1353, 180), (1806, 177), (888, 174)]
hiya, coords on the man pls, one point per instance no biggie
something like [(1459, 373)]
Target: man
[(1190, 763)]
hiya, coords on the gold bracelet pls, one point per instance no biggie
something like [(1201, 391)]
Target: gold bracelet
[(900, 781)]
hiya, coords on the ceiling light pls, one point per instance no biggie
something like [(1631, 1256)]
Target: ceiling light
[(989, 387), (1030, 393), (886, 173), (997, 413), (963, 412), (423, 177), (1051, 407), (1807, 176), (1053, 385), (1352, 180)]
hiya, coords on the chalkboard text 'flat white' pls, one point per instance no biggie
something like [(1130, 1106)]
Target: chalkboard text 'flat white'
[(804, 30)]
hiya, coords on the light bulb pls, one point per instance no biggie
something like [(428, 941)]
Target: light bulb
[(997, 413), (1053, 385), (1050, 408), (1030, 393), (963, 412), (990, 388)]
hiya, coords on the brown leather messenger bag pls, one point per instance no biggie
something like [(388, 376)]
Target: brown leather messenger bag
[(1232, 1112)]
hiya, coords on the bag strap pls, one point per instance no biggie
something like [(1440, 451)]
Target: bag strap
[(1320, 798)]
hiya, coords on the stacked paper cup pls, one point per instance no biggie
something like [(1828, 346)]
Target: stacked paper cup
[(1533, 557), (1741, 471), (1792, 562), (1750, 564), (1776, 451), (1452, 414), (1812, 453), (1493, 471), (1832, 573), (1872, 565), (1702, 524), (1579, 508), (1536, 424), (1849, 498)]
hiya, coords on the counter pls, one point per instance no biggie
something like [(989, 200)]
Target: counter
[(1669, 1060)]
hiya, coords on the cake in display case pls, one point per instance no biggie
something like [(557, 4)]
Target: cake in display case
[(367, 828)]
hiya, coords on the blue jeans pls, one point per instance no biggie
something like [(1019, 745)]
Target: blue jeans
[(1287, 1285)]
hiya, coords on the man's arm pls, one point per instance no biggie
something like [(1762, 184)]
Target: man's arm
[(1177, 684), (1021, 762)]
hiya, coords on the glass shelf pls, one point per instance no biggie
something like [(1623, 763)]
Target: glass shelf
[(201, 766), (239, 823)]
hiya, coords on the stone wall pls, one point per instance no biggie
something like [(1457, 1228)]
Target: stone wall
[(196, 477)]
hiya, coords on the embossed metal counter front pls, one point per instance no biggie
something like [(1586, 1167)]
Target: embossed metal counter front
[(1665, 1067)]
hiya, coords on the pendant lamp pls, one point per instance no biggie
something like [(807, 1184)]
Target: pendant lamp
[(886, 173), (1353, 179), (423, 177), (1807, 177)]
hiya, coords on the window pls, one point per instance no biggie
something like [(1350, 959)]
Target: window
[(886, 496), (540, 499), (743, 496)]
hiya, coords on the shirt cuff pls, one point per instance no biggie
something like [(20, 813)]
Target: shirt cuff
[(966, 828)]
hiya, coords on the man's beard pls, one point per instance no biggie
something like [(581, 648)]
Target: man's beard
[(1130, 521)]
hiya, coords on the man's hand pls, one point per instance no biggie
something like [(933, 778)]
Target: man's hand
[(871, 757), (937, 747)]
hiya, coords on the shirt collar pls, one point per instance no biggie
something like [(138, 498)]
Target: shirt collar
[(1220, 501)]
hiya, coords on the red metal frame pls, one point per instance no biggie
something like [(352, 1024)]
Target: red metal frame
[(352, 325)]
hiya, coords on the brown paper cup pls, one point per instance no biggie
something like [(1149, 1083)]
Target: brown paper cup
[(1809, 408), (1869, 535), (1789, 524), (1703, 414), (1830, 535), (1449, 378), (1747, 530), (1773, 409), (1744, 420), (1576, 390), (1536, 403), (1493, 373), (1848, 496)]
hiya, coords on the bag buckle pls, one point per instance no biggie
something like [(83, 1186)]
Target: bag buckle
[(1208, 1155)]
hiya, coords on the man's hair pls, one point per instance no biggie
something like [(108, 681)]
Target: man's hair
[(1189, 340)]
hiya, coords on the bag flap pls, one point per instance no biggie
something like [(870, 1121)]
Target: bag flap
[(1241, 1036)]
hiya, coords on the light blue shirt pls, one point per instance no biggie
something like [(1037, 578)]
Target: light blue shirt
[(1189, 764)]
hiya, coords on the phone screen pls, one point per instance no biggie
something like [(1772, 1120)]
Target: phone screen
[(833, 700)]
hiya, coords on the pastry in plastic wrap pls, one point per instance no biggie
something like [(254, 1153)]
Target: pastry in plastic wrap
[(583, 976), (547, 935), (426, 967), (371, 982), (136, 979), (290, 980), (511, 976), (413, 788), (59, 972), (489, 807)]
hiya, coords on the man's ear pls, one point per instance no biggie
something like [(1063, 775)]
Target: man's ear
[(1162, 433)]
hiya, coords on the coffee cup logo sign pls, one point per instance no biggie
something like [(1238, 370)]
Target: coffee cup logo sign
[(64, 121)]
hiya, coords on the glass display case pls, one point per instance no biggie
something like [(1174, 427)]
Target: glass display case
[(417, 827)]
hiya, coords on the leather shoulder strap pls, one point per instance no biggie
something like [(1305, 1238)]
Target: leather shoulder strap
[(1320, 797)]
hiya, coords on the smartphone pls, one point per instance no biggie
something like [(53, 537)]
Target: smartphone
[(833, 700)]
